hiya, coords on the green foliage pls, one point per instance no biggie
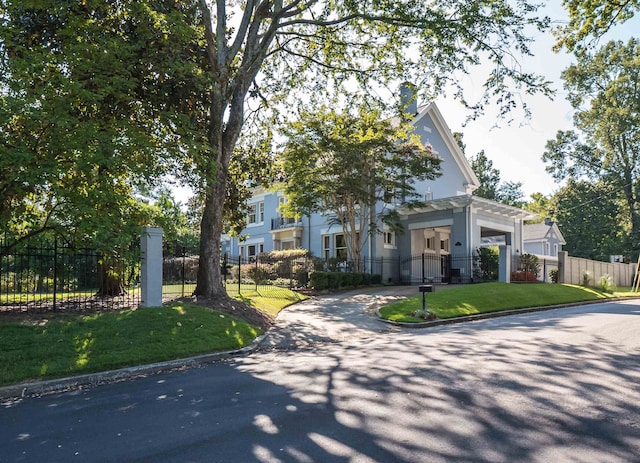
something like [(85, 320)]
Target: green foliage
[(591, 219), (337, 280), (86, 89), (607, 283), (491, 186), (553, 275), (319, 280), (589, 20), (486, 261), (529, 263), (602, 88), (345, 164)]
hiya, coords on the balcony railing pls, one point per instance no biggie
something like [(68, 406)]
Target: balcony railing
[(285, 222)]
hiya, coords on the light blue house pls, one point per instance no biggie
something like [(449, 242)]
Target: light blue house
[(440, 237)]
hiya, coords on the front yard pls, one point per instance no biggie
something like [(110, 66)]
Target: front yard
[(493, 297)]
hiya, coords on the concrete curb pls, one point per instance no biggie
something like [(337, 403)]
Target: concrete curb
[(503, 313), (94, 379)]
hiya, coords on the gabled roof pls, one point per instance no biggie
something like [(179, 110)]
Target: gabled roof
[(541, 232), (432, 110)]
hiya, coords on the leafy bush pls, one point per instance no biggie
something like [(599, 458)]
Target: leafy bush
[(356, 279), (606, 283), (335, 280), (530, 263), (523, 276), (258, 274), (319, 280), (376, 279), (486, 263), (553, 275)]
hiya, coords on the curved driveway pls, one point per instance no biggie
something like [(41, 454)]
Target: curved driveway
[(334, 318)]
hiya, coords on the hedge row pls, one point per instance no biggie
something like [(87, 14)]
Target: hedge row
[(337, 280)]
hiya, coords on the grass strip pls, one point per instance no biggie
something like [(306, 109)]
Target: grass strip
[(68, 345), (493, 297)]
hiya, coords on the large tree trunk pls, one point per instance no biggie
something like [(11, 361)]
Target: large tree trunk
[(110, 273), (209, 275)]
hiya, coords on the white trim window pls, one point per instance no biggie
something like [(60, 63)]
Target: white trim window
[(340, 246), (254, 249), (326, 246), (389, 239), (445, 246), (255, 213), (429, 244)]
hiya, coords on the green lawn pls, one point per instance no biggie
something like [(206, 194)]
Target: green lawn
[(493, 297), (64, 345)]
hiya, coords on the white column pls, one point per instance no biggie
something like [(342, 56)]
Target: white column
[(151, 274), (504, 266)]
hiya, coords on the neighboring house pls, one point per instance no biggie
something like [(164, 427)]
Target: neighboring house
[(440, 238), (543, 239)]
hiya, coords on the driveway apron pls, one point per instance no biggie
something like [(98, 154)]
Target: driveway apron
[(335, 318)]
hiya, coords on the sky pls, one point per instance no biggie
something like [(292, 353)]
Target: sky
[(516, 150)]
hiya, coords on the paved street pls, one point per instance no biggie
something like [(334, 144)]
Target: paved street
[(332, 384)]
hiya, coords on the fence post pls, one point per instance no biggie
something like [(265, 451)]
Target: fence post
[(151, 272), (240, 274), (55, 272), (504, 266), (563, 271)]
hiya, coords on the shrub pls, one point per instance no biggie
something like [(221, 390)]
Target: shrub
[(606, 283), (258, 274), (523, 276), (319, 280), (348, 279), (530, 263), (335, 280), (553, 275), (486, 262), (357, 278), (366, 279), (376, 279)]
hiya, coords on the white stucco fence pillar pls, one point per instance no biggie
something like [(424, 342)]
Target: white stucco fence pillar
[(504, 264), (151, 272)]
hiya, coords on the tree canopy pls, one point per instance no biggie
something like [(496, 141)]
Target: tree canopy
[(92, 103), (589, 20), (491, 186), (347, 164), (603, 89), (589, 216)]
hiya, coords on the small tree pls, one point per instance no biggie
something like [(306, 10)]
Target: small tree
[(352, 163)]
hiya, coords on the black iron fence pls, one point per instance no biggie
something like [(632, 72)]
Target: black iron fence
[(265, 272), (54, 275)]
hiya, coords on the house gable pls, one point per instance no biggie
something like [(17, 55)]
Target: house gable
[(457, 176)]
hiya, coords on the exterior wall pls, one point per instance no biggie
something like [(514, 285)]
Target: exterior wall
[(452, 181), (572, 270)]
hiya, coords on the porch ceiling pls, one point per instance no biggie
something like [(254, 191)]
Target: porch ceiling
[(481, 204)]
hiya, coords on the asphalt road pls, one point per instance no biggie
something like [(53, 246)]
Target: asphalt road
[(555, 386)]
